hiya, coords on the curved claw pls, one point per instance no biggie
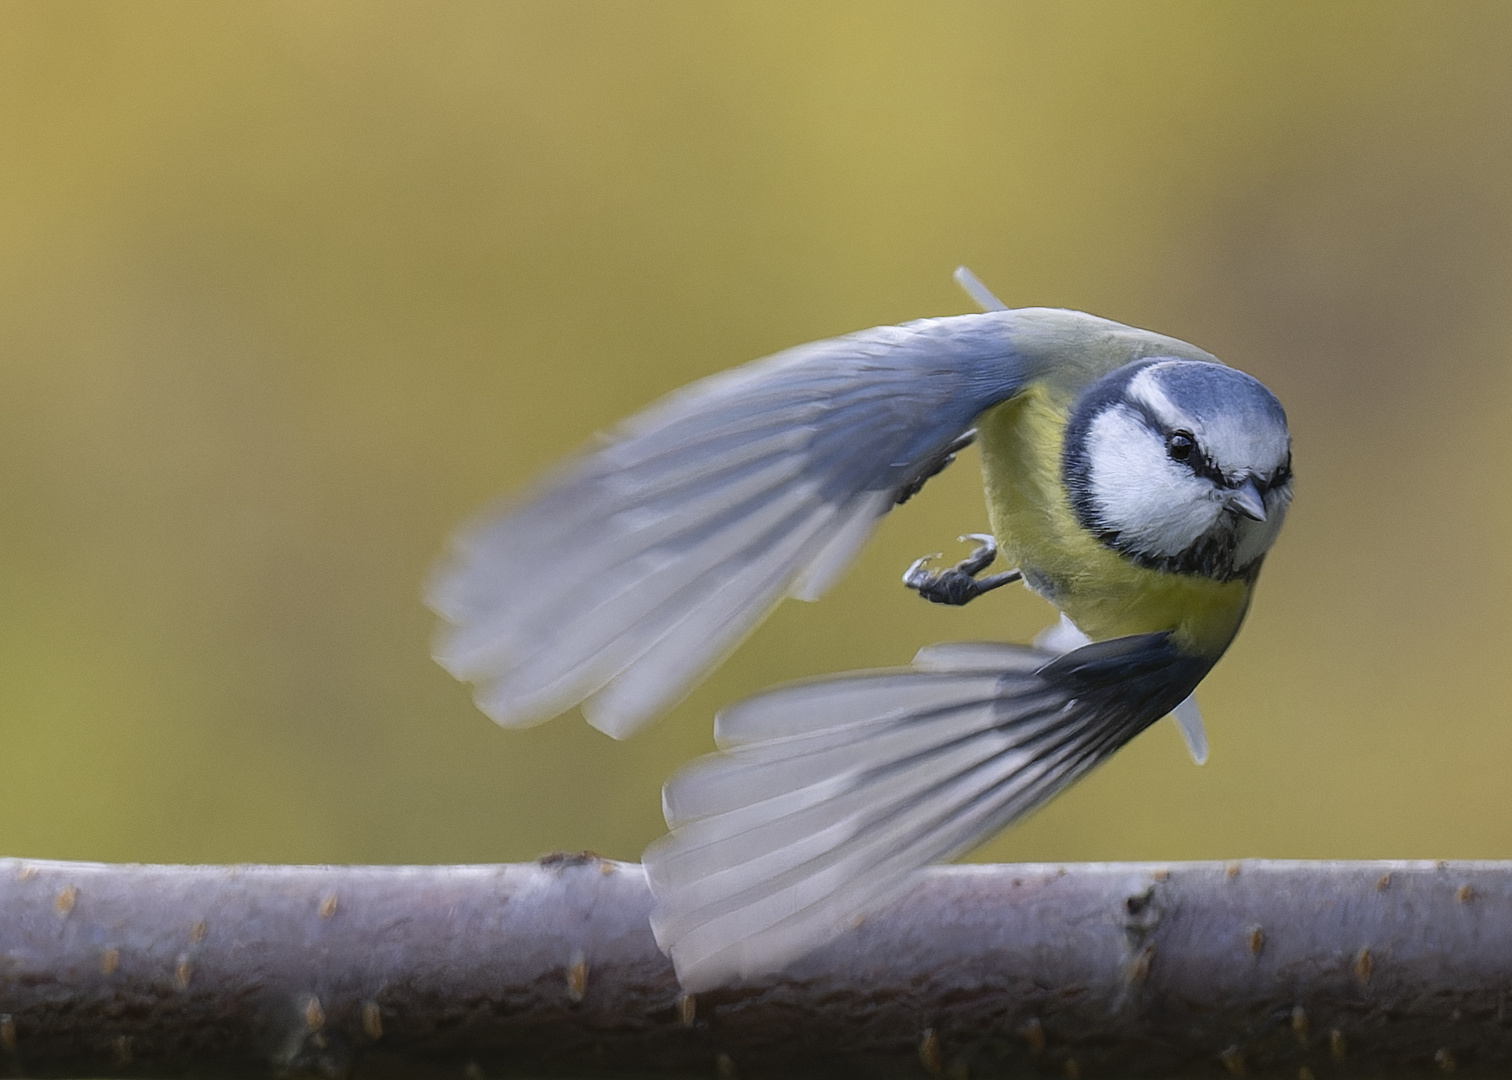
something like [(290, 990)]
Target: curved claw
[(982, 557), (958, 584), (916, 575)]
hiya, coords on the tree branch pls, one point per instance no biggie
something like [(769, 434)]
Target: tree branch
[(550, 968)]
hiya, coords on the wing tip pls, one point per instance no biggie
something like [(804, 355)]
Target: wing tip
[(980, 294), (617, 723)]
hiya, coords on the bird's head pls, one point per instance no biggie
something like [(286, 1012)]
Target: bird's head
[(1180, 465)]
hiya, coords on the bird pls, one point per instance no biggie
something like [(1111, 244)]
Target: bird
[(1131, 479)]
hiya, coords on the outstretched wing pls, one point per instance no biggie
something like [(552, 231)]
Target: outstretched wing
[(629, 573), (829, 794)]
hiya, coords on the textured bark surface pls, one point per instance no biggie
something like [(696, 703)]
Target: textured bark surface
[(1254, 968)]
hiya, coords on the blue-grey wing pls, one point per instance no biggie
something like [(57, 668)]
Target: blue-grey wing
[(626, 575), (828, 795)]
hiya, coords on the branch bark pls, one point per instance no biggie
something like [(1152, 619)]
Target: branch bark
[(549, 968)]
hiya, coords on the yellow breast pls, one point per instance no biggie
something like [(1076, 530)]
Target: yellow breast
[(1103, 592)]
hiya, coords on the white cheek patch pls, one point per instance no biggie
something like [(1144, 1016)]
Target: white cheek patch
[(1158, 506)]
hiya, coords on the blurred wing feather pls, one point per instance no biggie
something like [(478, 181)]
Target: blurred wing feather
[(628, 574)]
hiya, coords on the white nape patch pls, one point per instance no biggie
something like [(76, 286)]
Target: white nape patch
[(1157, 506), (1235, 441)]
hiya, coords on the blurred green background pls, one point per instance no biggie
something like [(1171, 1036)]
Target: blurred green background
[(289, 290)]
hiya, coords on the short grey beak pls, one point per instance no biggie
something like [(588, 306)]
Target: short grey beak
[(1248, 501)]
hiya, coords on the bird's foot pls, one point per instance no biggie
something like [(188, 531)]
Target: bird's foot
[(959, 584)]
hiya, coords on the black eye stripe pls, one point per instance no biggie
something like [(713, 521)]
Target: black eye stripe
[(1281, 476), (1182, 446), (1196, 460)]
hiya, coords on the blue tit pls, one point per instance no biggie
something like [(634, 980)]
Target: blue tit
[(1132, 480)]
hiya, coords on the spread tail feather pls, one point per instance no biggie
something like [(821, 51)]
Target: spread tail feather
[(827, 795)]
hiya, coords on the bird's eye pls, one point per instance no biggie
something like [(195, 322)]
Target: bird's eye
[(1180, 444)]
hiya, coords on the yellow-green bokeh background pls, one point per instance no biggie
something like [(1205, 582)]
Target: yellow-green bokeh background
[(288, 290)]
